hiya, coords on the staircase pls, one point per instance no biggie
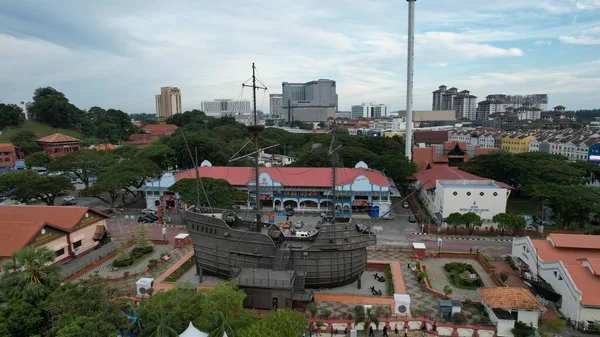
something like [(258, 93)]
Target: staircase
[(300, 280)]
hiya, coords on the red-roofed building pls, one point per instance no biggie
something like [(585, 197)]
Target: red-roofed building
[(9, 154), (151, 132), (58, 145), (302, 188), (450, 153), (447, 190), (68, 231), (564, 269)]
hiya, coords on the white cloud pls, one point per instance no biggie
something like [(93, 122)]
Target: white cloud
[(543, 43), (587, 4), (582, 40), (439, 64), (460, 46)]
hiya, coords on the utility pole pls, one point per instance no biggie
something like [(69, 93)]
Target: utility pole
[(409, 79)]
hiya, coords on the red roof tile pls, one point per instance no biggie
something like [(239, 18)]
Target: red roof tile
[(575, 241), (595, 264), (428, 178), (288, 176), (7, 147), (14, 235), (57, 138), (160, 128), (61, 217)]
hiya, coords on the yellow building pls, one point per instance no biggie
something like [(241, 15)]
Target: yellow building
[(516, 144)]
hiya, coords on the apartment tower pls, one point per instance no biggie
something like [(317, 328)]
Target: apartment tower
[(168, 102)]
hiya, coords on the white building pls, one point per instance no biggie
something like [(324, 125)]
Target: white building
[(271, 160), (388, 124), (225, 107), (465, 105), (369, 110), (276, 105), (506, 306), (566, 270), (483, 197)]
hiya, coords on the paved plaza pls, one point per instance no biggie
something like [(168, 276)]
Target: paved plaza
[(438, 278), (106, 269), (367, 281)]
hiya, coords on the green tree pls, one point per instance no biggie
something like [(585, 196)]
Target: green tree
[(570, 202), (523, 330), (30, 275), (29, 185), (88, 304), (220, 193), (448, 290), (351, 155), (26, 141), (365, 316), (455, 219), (21, 318), (160, 154), (516, 223), (399, 168), (83, 164), (108, 125), (314, 157), (224, 322), (158, 324), (52, 107), (185, 304), (11, 115), (502, 220), (201, 142), (471, 220), (39, 159), (132, 174), (111, 183), (125, 151), (187, 117)]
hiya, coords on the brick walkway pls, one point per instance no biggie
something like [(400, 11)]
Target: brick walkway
[(106, 269), (71, 267), (438, 278), (514, 279)]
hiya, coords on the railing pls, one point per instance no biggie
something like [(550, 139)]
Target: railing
[(263, 283)]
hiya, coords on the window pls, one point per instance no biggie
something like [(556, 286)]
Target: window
[(468, 194), (495, 194), (60, 252), (481, 194), (455, 193), (77, 244)]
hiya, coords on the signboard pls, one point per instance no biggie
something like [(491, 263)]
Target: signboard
[(473, 208), (439, 242), (88, 219), (46, 235)]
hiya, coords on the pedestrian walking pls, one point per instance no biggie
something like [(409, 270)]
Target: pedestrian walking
[(396, 328), (405, 332), (470, 250), (371, 333), (385, 331)]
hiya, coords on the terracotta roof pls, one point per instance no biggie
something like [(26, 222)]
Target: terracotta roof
[(433, 137), (7, 147), (152, 128), (428, 178), (594, 263), (571, 258), (575, 241), (57, 138), (287, 176), (61, 217), (510, 298), (107, 146), (15, 235)]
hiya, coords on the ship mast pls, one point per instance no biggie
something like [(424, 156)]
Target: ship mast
[(331, 153), (255, 130)]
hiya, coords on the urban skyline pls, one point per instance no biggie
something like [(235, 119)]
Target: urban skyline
[(549, 47)]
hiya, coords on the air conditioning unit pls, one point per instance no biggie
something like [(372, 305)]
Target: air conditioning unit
[(402, 304), (144, 286)]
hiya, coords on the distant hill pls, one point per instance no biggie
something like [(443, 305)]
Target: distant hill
[(39, 128)]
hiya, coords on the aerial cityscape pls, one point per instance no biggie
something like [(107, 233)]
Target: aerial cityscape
[(414, 168)]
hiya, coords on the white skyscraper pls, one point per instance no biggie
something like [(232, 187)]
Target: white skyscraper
[(369, 110)]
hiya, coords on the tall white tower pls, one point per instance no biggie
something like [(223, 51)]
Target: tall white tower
[(409, 79)]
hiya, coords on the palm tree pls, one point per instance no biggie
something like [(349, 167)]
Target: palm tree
[(367, 317), (223, 323), (157, 325), (31, 275)]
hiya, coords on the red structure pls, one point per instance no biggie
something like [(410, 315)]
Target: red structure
[(58, 145), (151, 132), (9, 154)]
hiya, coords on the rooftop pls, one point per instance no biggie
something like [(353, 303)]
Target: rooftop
[(57, 138), (490, 184), (159, 128), (510, 298), (579, 241), (429, 178), (287, 176), (14, 235)]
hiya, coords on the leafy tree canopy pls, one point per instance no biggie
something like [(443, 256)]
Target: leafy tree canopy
[(83, 164), (108, 125), (52, 107), (220, 193), (26, 141), (38, 159), (29, 185), (11, 115)]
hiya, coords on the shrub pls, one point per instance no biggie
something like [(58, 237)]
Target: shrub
[(327, 313), (390, 281), (313, 310), (503, 276), (152, 263), (447, 290), (459, 318)]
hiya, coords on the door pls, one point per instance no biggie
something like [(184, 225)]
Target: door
[(275, 302)]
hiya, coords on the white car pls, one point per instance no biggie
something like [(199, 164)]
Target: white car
[(69, 198), (148, 211)]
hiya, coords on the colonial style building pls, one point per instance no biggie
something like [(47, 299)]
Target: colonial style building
[(506, 306), (447, 154), (58, 145), (9, 154), (67, 231)]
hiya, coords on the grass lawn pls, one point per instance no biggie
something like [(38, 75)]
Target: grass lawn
[(524, 206), (40, 129)]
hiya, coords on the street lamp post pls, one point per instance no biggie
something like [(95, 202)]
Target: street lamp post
[(439, 246)]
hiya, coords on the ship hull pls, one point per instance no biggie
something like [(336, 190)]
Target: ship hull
[(327, 262)]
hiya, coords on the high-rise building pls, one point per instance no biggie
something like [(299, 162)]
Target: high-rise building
[(225, 107), (276, 105), (168, 102), (463, 103), (369, 110), (501, 103), (314, 101)]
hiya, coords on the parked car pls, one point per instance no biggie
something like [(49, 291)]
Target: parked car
[(405, 204), (412, 219), (299, 224), (69, 198), (69, 202), (146, 219), (148, 211), (152, 216)]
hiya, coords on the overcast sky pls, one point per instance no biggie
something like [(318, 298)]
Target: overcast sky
[(117, 54)]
